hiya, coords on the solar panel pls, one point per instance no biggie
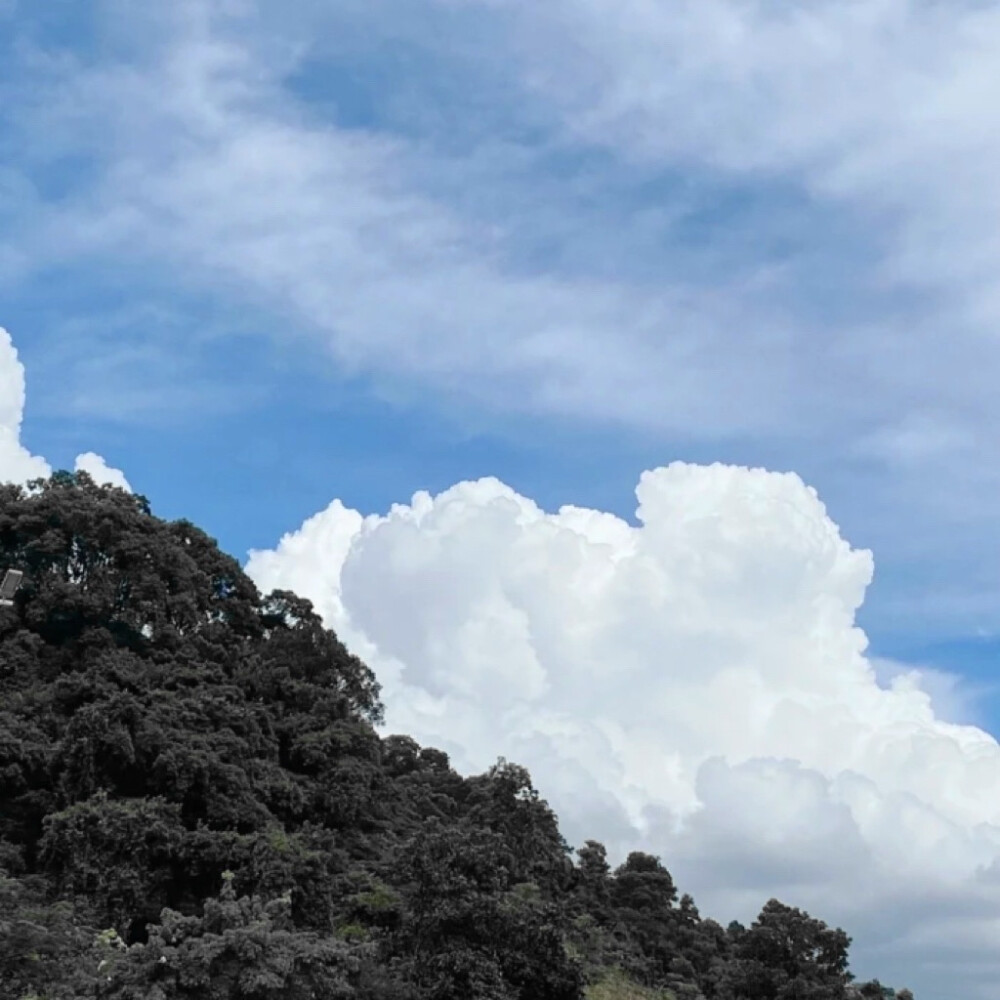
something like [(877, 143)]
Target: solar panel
[(11, 581)]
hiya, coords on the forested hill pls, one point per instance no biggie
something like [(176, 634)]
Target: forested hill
[(194, 803)]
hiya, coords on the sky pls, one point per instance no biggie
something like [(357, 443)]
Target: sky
[(617, 378)]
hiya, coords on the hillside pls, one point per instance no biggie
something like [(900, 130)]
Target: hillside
[(195, 803)]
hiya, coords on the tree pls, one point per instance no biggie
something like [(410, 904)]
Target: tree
[(116, 855), (788, 955), (643, 896), (151, 705), (44, 947), (238, 948), (162, 722), (592, 883), (505, 800), (469, 931)]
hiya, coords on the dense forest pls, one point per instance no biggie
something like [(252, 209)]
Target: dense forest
[(195, 803)]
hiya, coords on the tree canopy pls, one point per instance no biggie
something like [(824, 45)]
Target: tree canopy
[(195, 803)]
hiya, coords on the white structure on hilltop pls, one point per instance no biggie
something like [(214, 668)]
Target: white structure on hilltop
[(8, 588)]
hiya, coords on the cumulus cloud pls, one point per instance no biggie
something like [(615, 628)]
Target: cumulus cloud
[(17, 464), (694, 685), (100, 471)]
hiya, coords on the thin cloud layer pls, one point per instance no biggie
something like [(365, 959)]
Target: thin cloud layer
[(883, 107), (209, 165), (17, 464), (749, 226), (695, 686)]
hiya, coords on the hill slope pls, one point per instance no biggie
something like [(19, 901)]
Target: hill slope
[(194, 802)]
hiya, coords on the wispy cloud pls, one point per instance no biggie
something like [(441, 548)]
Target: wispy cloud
[(141, 367), (211, 169), (881, 110), (727, 223), (719, 222)]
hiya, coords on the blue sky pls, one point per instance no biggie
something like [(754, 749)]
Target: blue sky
[(260, 256), (545, 210)]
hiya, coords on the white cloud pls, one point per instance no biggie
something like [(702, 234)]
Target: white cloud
[(623, 662), (955, 698), (100, 472), (444, 260), (882, 109), (17, 464), (695, 686), (211, 167)]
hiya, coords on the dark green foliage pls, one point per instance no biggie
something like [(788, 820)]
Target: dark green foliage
[(45, 948), (505, 800), (466, 921), (787, 955), (235, 948), (112, 854), (194, 803)]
